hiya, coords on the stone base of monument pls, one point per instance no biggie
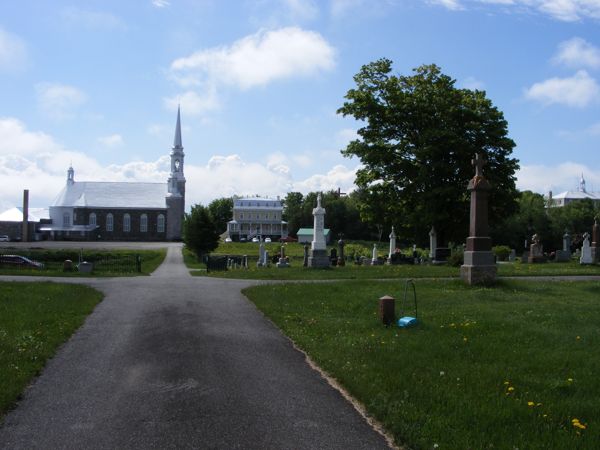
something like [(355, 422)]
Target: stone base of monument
[(479, 267), (283, 262), (318, 259), (595, 255), (535, 259)]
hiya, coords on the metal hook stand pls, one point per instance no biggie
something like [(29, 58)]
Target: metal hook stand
[(407, 321)]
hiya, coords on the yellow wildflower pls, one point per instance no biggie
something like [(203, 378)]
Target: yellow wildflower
[(530, 403), (510, 389)]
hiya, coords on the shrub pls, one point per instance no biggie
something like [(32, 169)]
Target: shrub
[(501, 252)]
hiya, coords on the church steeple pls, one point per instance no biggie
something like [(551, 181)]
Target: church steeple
[(70, 176), (582, 184), (177, 140)]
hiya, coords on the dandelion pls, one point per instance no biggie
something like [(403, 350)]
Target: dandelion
[(507, 382), (464, 339), (575, 422), (442, 373), (578, 338), (570, 380), (530, 403), (511, 389)]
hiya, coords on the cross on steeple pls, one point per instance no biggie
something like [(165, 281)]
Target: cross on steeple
[(478, 162)]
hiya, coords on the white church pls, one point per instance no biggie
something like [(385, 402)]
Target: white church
[(564, 198)]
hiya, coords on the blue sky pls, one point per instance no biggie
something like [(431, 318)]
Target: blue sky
[(97, 83)]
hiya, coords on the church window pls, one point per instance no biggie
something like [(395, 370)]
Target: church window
[(144, 223), (109, 222), (126, 223), (92, 219), (66, 220), (160, 223)]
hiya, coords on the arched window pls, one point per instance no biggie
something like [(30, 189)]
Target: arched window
[(144, 223), (126, 223), (92, 220), (160, 223), (109, 222), (66, 220)]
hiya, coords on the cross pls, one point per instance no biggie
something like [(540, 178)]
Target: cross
[(478, 162)]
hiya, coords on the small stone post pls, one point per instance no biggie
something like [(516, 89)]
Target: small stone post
[(305, 262), (479, 266), (432, 243), (374, 259), (25, 225), (392, 245)]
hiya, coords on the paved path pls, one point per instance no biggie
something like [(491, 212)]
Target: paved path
[(174, 361)]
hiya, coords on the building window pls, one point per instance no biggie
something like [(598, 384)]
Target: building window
[(126, 223), (92, 219), (160, 223), (241, 216), (109, 222), (66, 220), (144, 223)]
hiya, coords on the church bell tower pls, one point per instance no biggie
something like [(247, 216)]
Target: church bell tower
[(176, 186)]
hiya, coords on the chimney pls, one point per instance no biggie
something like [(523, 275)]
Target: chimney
[(25, 230)]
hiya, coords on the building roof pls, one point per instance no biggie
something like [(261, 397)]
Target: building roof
[(576, 195), (98, 194), (16, 214)]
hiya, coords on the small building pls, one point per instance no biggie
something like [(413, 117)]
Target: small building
[(564, 198), (305, 235), (257, 217), (11, 223)]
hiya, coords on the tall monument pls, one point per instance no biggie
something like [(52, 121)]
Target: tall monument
[(318, 249), (479, 265), (176, 187)]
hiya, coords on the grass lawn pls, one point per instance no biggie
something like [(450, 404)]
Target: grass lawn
[(351, 271), (513, 366), (114, 262), (35, 319)]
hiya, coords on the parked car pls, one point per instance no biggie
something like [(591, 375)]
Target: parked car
[(4, 238), (255, 239), (17, 261), (243, 240), (268, 240), (228, 239)]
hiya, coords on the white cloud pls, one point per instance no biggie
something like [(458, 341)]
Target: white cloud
[(113, 140), (577, 91), (160, 3), (13, 52), (338, 177), (577, 52), (453, 5), (559, 178), (194, 103), (59, 101), (301, 9), (340, 8), (564, 10), (594, 129), (260, 58)]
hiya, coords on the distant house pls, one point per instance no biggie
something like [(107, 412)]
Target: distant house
[(305, 235), (257, 217), (11, 222), (564, 198)]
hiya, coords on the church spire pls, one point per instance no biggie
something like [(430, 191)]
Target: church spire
[(582, 184), (70, 175), (177, 140)]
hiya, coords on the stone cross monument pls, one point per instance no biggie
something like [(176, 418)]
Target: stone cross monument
[(392, 245), (479, 266), (318, 249)]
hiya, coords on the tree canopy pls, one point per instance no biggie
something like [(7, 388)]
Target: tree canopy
[(200, 234), (418, 137), (221, 210)]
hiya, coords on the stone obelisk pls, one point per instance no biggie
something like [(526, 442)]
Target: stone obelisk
[(479, 265), (318, 249)]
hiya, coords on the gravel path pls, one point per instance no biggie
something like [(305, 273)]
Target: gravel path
[(174, 361)]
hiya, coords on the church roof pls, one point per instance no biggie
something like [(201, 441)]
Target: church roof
[(576, 195), (98, 194)]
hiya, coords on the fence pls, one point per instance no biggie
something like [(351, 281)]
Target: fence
[(48, 262)]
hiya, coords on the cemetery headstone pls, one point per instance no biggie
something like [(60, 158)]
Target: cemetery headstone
[(586, 250), (564, 255), (432, 243), (479, 263), (374, 258), (333, 256), (283, 262), (392, 245), (441, 255), (536, 250), (318, 250), (261, 255), (512, 257), (595, 241), (341, 258), (305, 262)]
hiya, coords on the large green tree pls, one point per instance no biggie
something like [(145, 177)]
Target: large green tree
[(200, 234), (221, 210), (418, 137)]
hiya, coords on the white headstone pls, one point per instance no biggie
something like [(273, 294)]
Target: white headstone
[(261, 254), (392, 244), (374, 259), (318, 242), (586, 251)]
